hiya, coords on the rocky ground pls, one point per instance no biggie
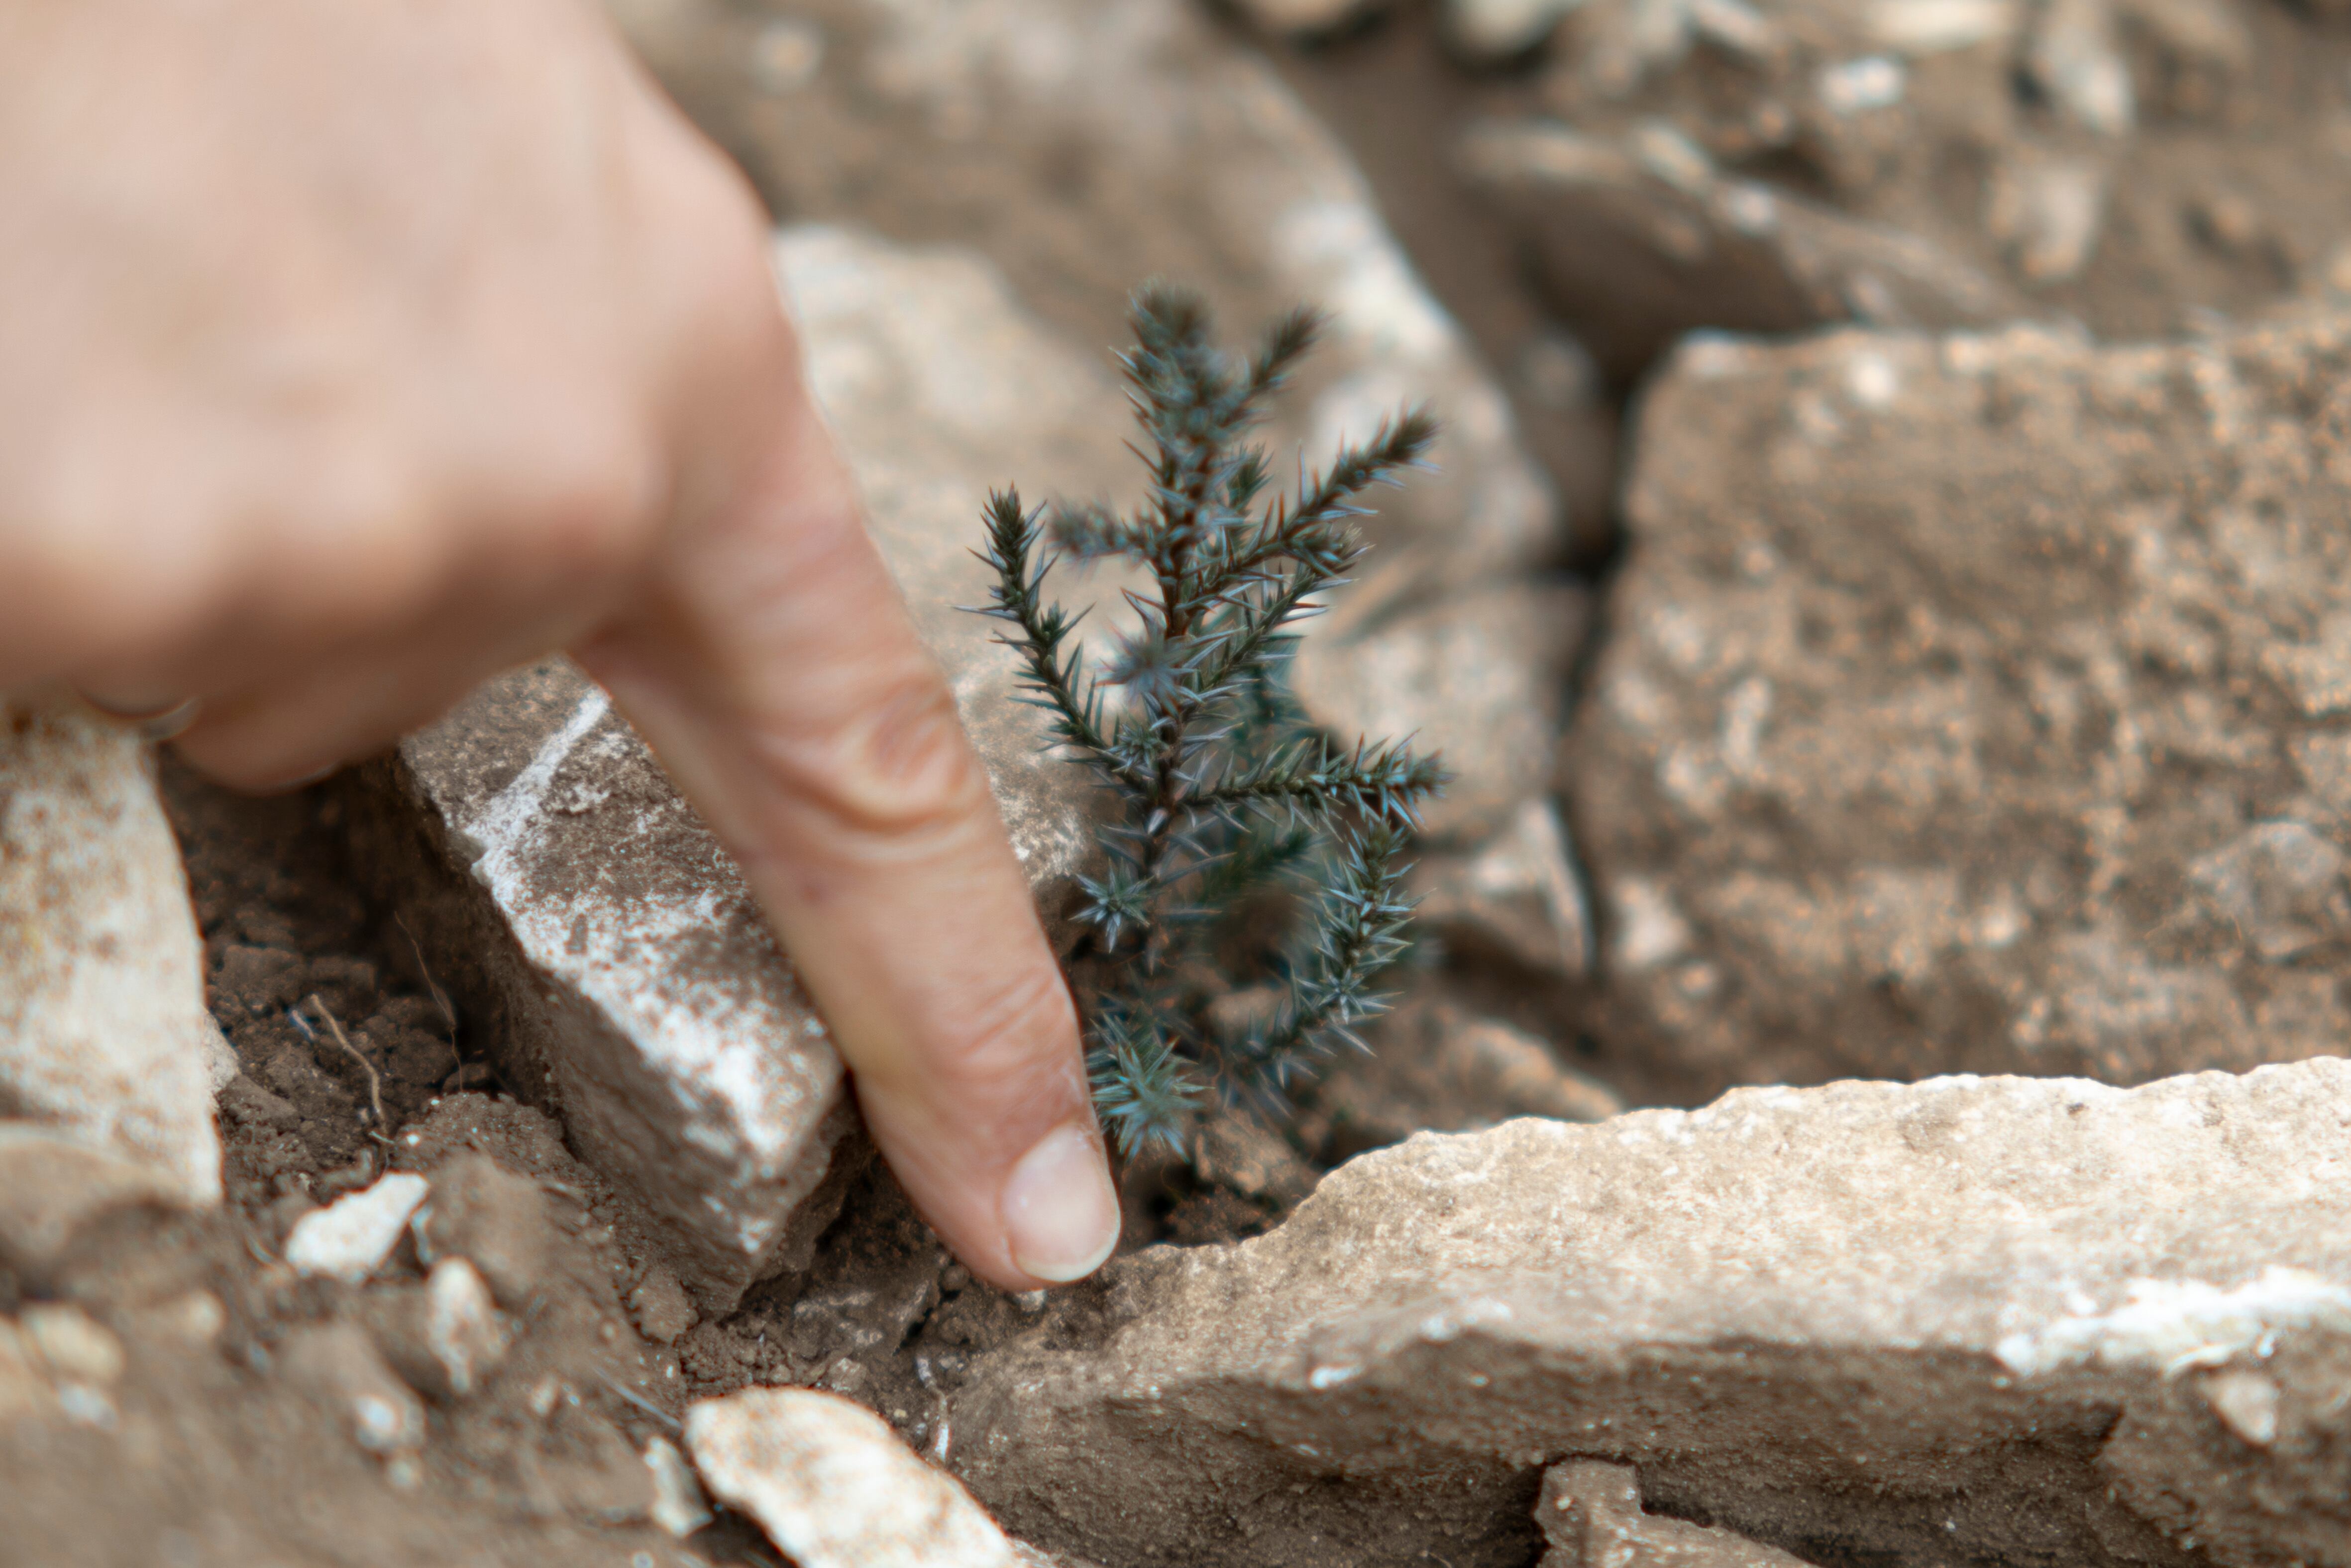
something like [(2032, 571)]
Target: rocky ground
[(1948, 675)]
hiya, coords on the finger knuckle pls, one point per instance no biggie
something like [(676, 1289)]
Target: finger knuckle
[(900, 770)]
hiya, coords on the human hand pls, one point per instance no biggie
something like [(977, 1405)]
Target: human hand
[(358, 351)]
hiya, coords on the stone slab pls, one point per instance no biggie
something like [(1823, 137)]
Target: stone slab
[(1977, 704), (104, 1032), (1968, 1319), (601, 944), (834, 1487)]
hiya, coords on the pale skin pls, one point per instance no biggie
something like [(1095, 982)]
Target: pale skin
[(356, 351)]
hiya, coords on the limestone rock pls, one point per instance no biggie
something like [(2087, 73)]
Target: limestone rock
[(1498, 29), (1518, 896), (1479, 678), (1930, 1322), (350, 1237), (71, 1347), (1591, 1515), (678, 1505), (52, 1183), (1977, 704), (104, 1030), (1083, 146), (1723, 151), (834, 1487), (1640, 239), (463, 1328), (588, 922)]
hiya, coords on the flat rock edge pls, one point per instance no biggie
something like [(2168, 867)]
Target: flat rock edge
[(1417, 1428)]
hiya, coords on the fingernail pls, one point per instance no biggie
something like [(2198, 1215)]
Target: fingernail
[(1059, 1209)]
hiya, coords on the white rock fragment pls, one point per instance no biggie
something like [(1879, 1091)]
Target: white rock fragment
[(1591, 1512), (2247, 1403), (72, 1346), (348, 1239), (834, 1488), (102, 1022), (2049, 212), (1938, 26), (2174, 1325), (678, 1504), (2074, 58), (462, 1326), (1496, 29), (1856, 87)]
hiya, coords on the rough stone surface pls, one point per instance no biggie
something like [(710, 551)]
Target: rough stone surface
[(678, 1505), (463, 1328), (1761, 164), (103, 1030), (1479, 678), (1083, 146), (1518, 896), (1978, 704), (588, 922), (942, 386), (834, 1487), (1590, 1514), (1641, 238), (1965, 1320)]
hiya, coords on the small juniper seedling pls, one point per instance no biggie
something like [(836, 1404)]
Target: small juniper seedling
[(1253, 886)]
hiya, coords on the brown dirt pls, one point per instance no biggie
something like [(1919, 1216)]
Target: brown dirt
[(213, 1452)]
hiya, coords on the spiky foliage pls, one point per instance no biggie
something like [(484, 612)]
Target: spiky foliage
[(1253, 886)]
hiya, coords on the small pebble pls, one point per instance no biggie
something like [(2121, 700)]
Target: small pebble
[(350, 1237), (462, 1327), (73, 1346), (679, 1506), (663, 1309), (833, 1486)]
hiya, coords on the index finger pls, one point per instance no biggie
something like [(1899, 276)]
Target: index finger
[(775, 669)]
